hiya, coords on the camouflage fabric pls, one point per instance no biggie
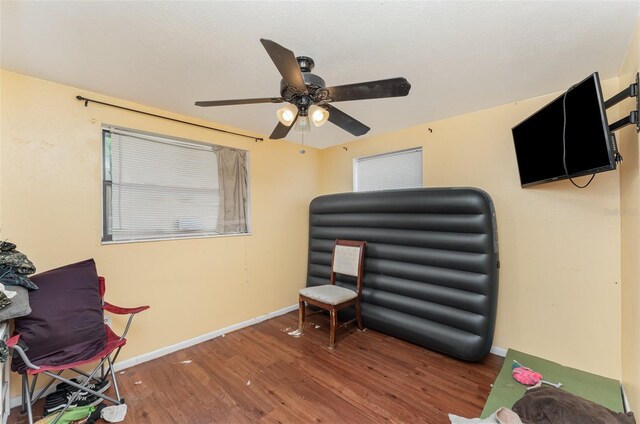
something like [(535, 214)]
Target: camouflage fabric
[(4, 351), (9, 277), (4, 300), (9, 256), (5, 246)]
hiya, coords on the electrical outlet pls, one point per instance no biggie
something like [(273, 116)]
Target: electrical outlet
[(107, 320)]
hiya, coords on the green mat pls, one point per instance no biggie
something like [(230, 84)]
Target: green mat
[(506, 391)]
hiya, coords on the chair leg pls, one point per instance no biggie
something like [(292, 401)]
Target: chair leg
[(301, 315), (114, 380), (23, 406), (112, 360), (42, 390), (26, 397), (332, 331), (359, 316)]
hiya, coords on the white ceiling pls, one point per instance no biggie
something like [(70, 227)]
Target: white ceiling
[(459, 56)]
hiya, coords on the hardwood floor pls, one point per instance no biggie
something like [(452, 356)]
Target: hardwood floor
[(261, 374)]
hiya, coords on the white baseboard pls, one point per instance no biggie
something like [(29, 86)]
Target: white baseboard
[(500, 351), (17, 400)]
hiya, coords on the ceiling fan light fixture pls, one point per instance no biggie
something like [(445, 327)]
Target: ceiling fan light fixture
[(287, 114), (318, 115), (302, 124)]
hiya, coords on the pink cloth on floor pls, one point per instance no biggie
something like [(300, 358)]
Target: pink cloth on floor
[(526, 376)]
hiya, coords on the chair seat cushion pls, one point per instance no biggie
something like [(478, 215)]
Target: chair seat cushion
[(332, 295)]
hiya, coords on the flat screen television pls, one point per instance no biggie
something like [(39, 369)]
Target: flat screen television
[(587, 147)]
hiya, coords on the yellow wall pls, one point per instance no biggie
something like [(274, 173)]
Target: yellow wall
[(630, 233), (559, 246), (51, 208)]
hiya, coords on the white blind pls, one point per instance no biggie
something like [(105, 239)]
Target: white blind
[(159, 187), (388, 171)]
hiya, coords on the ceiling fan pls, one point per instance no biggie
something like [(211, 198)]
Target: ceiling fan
[(309, 97)]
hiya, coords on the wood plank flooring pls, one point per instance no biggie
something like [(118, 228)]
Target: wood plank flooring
[(261, 374)]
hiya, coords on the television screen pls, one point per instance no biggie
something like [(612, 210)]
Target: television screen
[(586, 149)]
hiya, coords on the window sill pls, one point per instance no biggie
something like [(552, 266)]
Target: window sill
[(175, 238)]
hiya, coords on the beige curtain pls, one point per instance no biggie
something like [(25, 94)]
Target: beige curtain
[(232, 179)]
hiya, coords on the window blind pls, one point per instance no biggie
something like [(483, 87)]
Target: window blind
[(388, 171), (158, 187)]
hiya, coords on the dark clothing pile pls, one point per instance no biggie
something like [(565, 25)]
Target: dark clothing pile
[(15, 266), (542, 405)]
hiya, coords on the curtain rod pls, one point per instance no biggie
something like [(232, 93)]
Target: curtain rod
[(86, 102)]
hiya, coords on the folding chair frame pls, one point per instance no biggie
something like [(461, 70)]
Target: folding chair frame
[(55, 373)]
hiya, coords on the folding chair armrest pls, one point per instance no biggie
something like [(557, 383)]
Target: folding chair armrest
[(13, 340), (123, 311), (12, 343)]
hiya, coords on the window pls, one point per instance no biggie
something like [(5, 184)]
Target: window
[(387, 171), (155, 187)]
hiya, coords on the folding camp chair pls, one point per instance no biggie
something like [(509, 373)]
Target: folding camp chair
[(66, 330)]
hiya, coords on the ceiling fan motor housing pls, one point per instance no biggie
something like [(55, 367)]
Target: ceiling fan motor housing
[(312, 81)]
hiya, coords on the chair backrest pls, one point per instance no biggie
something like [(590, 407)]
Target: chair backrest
[(66, 323), (348, 259)]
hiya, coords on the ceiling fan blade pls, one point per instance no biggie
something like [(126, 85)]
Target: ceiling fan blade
[(239, 101), (346, 122), (280, 131), (394, 87), (286, 62)]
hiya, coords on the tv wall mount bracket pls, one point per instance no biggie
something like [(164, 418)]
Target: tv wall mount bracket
[(632, 118)]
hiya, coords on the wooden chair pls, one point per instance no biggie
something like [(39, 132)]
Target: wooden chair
[(347, 259)]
